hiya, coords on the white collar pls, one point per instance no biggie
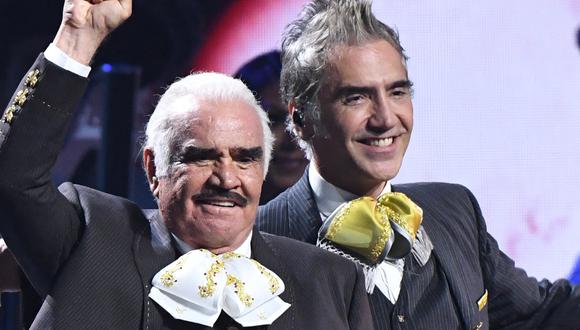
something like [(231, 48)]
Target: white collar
[(245, 249), (329, 197)]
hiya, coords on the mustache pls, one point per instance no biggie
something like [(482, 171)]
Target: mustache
[(213, 195)]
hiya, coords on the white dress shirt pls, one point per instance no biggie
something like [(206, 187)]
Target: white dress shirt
[(245, 249)]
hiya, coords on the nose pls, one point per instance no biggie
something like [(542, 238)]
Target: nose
[(383, 116), (225, 175)]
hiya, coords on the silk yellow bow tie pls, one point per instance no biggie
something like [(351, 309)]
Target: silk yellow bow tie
[(199, 285), (373, 229)]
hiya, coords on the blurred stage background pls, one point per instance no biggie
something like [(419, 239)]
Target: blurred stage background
[(497, 101)]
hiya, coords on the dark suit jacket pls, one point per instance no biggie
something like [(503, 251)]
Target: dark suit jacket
[(93, 255), (470, 258)]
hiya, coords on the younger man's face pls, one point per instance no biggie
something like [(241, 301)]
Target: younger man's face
[(366, 117)]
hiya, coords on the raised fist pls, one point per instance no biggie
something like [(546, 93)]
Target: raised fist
[(86, 23), (100, 16)]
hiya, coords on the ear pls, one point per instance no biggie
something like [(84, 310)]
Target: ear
[(303, 128), (150, 171)]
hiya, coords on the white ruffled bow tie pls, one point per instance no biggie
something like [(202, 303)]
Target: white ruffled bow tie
[(199, 285)]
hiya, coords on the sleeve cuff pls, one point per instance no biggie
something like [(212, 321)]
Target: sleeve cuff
[(61, 59)]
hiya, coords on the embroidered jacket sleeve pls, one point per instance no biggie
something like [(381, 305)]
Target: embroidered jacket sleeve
[(37, 222)]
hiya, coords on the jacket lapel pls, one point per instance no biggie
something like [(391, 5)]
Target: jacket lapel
[(444, 241), (267, 255), (153, 250), (303, 217)]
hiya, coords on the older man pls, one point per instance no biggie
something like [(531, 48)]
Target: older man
[(102, 263), (346, 84)]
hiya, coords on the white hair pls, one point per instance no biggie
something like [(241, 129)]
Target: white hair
[(181, 98)]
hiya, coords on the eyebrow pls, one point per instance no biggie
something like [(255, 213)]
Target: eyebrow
[(194, 153), (256, 153), (405, 83), (189, 153)]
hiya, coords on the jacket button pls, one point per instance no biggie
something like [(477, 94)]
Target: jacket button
[(401, 318)]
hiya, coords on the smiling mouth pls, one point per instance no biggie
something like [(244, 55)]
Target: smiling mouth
[(383, 142), (221, 204)]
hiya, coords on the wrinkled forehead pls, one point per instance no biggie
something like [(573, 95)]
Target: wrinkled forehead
[(218, 123)]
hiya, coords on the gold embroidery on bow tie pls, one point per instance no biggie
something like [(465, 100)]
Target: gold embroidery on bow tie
[(371, 229), (209, 289), (385, 213), (338, 223), (407, 208), (273, 283), (230, 255), (167, 278), (245, 298)]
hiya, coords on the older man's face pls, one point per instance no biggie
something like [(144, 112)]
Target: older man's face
[(210, 196), (366, 117)]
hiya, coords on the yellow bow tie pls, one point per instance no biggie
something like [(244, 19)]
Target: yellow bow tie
[(373, 230), (199, 285)]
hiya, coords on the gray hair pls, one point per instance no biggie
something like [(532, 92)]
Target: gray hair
[(166, 124), (309, 41)]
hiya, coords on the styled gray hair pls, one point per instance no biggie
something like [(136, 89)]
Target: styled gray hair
[(309, 41), (166, 124)]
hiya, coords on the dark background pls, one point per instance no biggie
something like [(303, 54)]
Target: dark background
[(161, 37)]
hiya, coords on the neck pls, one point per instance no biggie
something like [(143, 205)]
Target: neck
[(187, 245), (372, 190), (356, 186), (222, 250)]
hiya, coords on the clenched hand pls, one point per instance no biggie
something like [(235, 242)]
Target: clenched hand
[(86, 23)]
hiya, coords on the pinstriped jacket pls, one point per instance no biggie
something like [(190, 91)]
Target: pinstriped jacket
[(93, 255), (469, 257)]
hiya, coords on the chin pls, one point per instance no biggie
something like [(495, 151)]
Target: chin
[(384, 173)]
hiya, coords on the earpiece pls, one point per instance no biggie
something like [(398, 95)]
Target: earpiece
[(298, 117)]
